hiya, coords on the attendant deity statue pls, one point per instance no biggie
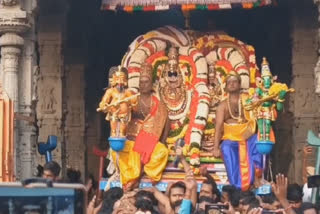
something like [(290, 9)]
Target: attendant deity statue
[(144, 150), (118, 101), (266, 99), (216, 92)]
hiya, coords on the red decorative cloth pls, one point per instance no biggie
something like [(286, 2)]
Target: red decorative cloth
[(144, 145), (145, 141)]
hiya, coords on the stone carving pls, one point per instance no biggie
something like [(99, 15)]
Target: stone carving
[(9, 2), (49, 101), (10, 51), (35, 79)]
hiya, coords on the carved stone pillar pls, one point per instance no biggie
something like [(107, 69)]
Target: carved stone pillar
[(13, 24), (305, 103), (50, 109), (74, 92), (10, 53), (317, 68)]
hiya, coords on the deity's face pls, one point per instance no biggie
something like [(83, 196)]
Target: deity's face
[(119, 78), (233, 84), (212, 76), (267, 81), (173, 76), (145, 85)]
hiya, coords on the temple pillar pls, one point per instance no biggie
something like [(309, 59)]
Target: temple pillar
[(14, 22), (74, 92), (317, 68), (304, 102), (50, 109), (10, 53)]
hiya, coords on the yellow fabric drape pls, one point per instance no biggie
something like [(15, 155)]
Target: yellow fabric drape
[(130, 164)]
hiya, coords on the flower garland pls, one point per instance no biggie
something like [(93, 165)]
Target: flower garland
[(214, 45)]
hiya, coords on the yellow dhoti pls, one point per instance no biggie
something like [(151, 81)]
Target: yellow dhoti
[(129, 162)]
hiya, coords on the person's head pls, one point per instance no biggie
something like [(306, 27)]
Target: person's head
[(227, 190), (233, 82), (307, 208), (110, 197), (270, 202), (235, 198), (144, 201), (145, 81), (247, 202), (73, 176), (253, 204), (295, 195), (209, 189), (176, 194), (51, 170)]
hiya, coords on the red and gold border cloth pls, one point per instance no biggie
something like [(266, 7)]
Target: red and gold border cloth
[(158, 5)]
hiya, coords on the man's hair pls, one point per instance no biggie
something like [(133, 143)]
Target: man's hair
[(249, 200), (215, 189), (144, 201), (294, 192), (53, 167), (246, 194), (269, 199), (109, 199), (233, 194), (228, 189), (178, 184), (146, 194), (235, 198), (306, 206), (253, 204), (73, 176)]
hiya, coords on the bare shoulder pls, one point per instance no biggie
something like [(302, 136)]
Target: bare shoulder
[(222, 105)]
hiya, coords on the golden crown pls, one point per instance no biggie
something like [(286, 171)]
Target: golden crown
[(265, 70)]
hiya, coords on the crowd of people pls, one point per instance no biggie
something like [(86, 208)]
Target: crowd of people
[(182, 197)]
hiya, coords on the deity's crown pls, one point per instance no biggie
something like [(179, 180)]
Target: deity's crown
[(120, 72), (117, 74), (146, 70), (265, 70), (173, 59)]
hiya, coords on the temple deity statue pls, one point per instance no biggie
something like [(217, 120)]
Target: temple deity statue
[(173, 92), (217, 94), (265, 100), (144, 151), (118, 101), (181, 99)]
